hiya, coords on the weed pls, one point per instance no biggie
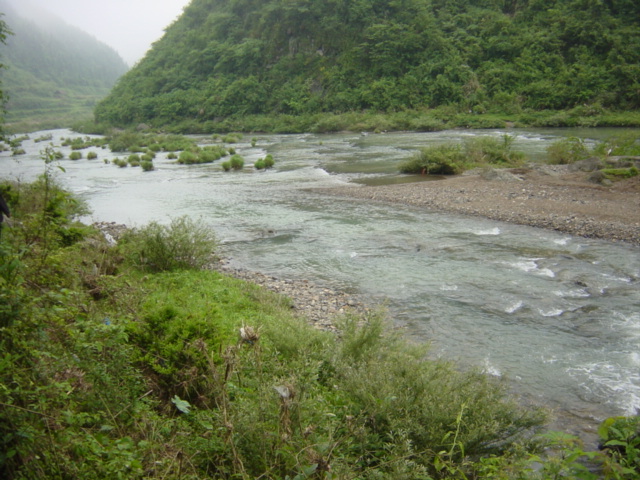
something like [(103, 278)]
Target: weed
[(566, 151), (184, 243)]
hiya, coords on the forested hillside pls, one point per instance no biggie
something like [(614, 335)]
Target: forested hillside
[(238, 57), (53, 70)]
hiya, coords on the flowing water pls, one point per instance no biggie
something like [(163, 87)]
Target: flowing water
[(557, 315)]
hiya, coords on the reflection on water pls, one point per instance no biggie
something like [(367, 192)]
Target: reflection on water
[(557, 315)]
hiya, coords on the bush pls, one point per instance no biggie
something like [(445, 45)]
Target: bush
[(183, 244), (75, 155), (232, 138), (134, 160), (226, 166), (445, 159), (620, 438), (187, 158), (493, 151), (621, 145), (147, 166), (566, 151), (120, 162), (259, 165), (269, 162), (92, 156), (237, 162), (453, 159)]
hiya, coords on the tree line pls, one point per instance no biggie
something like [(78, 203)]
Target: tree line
[(296, 57)]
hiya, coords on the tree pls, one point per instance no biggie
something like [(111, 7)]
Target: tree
[(4, 31)]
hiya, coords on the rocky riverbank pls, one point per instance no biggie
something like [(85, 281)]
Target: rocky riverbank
[(319, 305), (559, 198)]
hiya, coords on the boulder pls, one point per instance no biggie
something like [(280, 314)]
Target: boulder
[(588, 165)]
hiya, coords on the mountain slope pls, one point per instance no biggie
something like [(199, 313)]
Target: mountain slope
[(53, 70), (236, 57)]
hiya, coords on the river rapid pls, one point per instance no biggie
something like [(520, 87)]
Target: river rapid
[(556, 315)]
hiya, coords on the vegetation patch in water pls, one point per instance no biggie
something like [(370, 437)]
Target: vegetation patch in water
[(455, 158)]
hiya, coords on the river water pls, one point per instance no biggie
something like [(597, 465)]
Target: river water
[(557, 315)]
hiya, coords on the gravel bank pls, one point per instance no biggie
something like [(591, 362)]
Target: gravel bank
[(554, 198), (319, 305)]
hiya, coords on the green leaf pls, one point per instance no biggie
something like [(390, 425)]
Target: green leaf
[(182, 405)]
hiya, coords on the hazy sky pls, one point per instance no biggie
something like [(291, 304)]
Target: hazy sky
[(128, 26)]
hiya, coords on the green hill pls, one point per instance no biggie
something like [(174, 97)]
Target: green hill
[(240, 57), (54, 73)]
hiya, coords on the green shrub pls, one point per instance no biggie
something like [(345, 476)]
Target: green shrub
[(75, 155), (188, 158), (120, 162), (453, 159), (44, 138), (237, 162), (621, 145), (445, 159), (147, 165), (211, 153), (232, 138), (226, 165), (620, 437), (259, 165), (566, 151), (172, 156), (182, 244), (123, 141), (492, 151), (134, 160), (92, 156), (146, 158), (269, 162)]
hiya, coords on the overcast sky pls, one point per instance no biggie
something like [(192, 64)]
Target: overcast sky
[(128, 26)]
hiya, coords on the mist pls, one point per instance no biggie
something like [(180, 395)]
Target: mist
[(128, 26)]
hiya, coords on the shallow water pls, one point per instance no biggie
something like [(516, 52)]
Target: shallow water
[(557, 315)]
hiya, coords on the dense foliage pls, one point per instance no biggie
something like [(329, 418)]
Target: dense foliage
[(54, 71), (299, 57)]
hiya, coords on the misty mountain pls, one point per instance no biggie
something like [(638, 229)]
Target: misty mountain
[(52, 68), (226, 58)]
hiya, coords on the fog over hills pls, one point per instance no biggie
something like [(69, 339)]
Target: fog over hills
[(53, 69)]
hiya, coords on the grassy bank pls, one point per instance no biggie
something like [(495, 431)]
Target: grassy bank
[(131, 361), (443, 118), (426, 120)]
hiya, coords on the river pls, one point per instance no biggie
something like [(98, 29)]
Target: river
[(557, 315)]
